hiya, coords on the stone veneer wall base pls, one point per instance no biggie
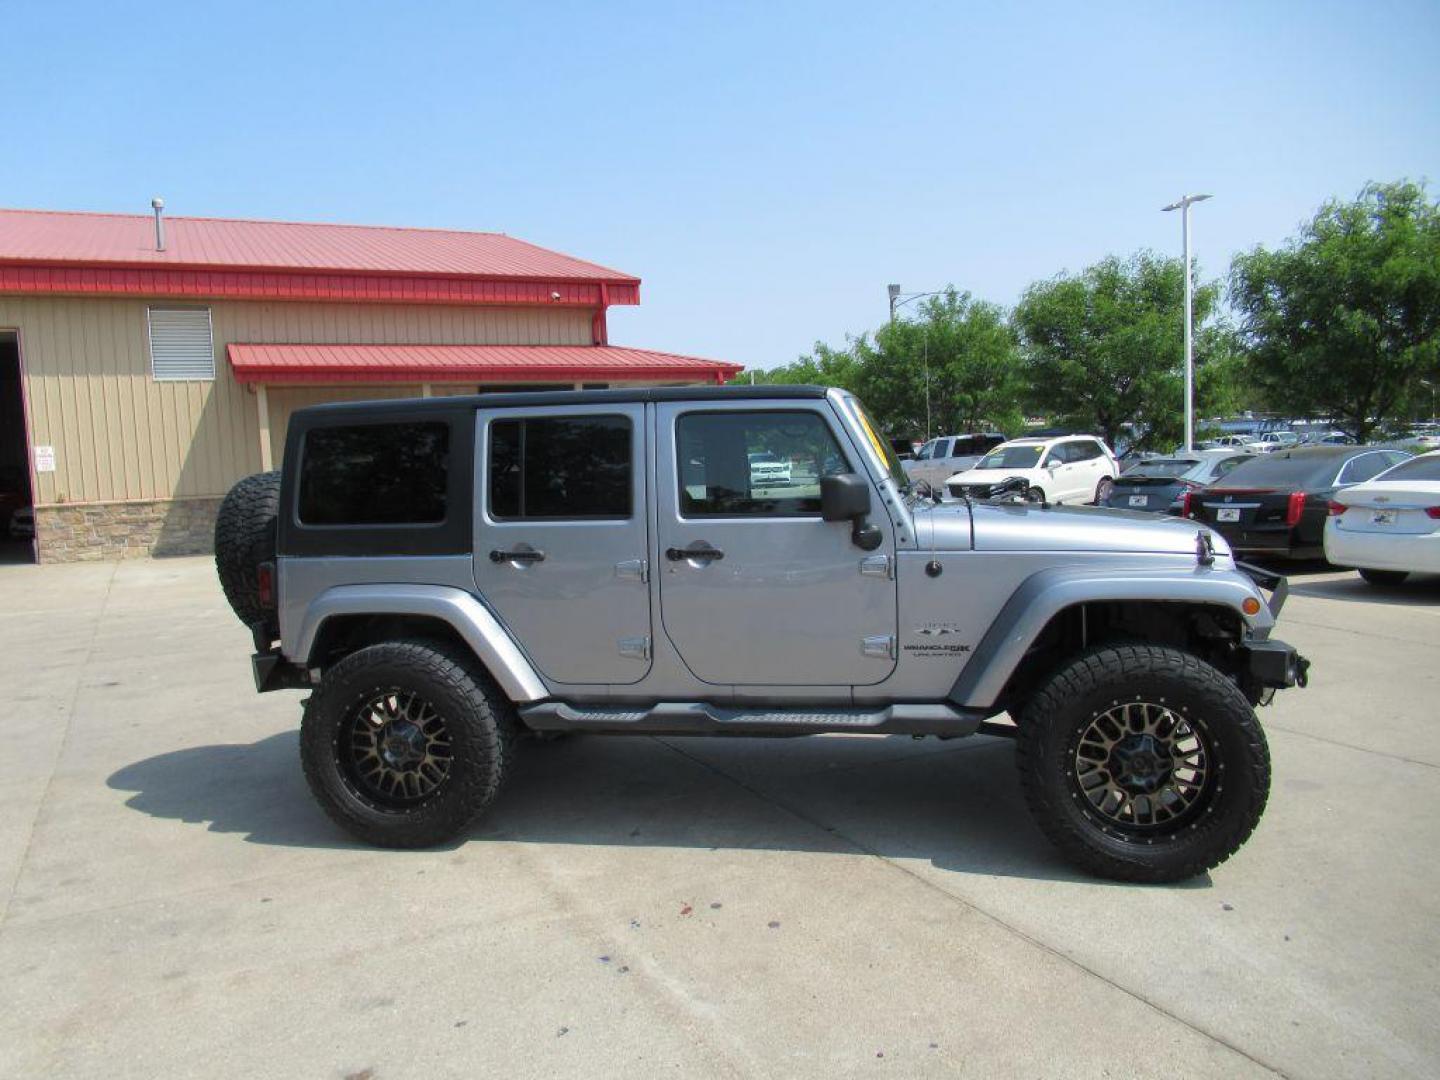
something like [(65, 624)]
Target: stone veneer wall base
[(125, 530)]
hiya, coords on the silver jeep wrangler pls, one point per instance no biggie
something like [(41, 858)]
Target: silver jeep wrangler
[(448, 575)]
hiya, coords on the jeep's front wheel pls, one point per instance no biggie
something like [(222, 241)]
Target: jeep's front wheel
[(1143, 764), (404, 743)]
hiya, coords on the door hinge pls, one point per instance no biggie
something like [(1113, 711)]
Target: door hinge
[(879, 645), (636, 648), (633, 570), (876, 566)]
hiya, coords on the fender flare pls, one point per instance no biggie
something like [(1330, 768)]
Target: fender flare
[(461, 611), (1045, 594)]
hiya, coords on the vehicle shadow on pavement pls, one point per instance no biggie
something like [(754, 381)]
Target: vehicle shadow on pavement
[(956, 805), (256, 789), (1418, 590)]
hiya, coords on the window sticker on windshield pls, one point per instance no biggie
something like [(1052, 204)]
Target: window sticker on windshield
[(870, 434)]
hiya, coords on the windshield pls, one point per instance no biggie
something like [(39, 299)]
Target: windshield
[(1162, 467), (1012, 457), (1420, 468)]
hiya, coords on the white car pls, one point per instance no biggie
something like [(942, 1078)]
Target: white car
[(1067, 469), (1275, 440), (1389, 527), (769, 470)]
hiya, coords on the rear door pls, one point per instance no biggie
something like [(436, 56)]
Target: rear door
[(561, 538)]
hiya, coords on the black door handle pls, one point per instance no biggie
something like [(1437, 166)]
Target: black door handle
[(678, 554), (517, 556)]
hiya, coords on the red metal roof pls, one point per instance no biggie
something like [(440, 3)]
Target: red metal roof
[(281, 364), (114, 254), (129, 240)]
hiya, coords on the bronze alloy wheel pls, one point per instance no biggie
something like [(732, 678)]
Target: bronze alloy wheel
[(1143, 769), (395, 750)]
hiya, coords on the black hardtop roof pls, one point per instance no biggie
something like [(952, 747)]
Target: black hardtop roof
[(530, 398)]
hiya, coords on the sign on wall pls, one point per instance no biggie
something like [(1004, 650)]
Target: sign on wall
[(44, 459)]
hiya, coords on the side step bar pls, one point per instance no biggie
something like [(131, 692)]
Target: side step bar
[(702, 718)]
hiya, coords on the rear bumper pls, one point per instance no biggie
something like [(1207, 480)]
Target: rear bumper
[(273, 672), (1413, 552)]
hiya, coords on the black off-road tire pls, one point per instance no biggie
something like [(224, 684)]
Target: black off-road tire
[(480, 722), (244, 538), (1385, 577), (1050, 730)]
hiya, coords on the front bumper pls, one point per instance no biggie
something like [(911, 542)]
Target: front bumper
[(1275, 664)]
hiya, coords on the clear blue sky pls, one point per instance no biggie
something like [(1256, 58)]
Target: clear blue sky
[(766, 168)]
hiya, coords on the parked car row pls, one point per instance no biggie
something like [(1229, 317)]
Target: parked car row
[(943, 457), (1276, 503), (1160, 483)]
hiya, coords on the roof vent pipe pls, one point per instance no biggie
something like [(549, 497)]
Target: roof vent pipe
[(158, 205)]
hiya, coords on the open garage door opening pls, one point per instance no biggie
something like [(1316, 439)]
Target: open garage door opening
[(17, 509)]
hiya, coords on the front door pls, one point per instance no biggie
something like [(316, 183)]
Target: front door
[(755, 588), (561, 539)]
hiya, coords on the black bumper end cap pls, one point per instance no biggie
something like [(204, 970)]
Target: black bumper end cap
[(273, 672), (1276, 664)]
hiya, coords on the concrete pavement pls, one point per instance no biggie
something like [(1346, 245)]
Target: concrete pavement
[(173, 904)]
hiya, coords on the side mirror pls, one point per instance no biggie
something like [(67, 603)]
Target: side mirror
[(846, 497)]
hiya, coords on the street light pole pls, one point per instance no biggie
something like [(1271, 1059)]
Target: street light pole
[(897, 301), (1183, 205)]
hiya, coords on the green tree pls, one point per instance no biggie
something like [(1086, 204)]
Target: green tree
[(1344, 321), (1104, 348), (961, 351), (823, 367)]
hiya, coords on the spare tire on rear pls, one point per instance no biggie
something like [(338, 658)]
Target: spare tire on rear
[(244, 538)]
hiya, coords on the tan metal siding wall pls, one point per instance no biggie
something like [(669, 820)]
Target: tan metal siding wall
[(119, 435)]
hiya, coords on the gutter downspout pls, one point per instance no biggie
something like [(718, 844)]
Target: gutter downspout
[(599, 331)]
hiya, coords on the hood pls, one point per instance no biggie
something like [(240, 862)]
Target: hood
[(942, 526), (1024, 527)]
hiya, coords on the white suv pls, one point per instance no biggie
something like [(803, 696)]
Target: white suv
[(1068, 469)]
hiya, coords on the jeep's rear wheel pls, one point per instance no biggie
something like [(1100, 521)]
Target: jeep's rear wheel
[(1143, 764), (404, 743)]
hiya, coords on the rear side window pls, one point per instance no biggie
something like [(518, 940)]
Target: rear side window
[(560, 467), (375, 474), (1226, 467), (1364, 467)]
